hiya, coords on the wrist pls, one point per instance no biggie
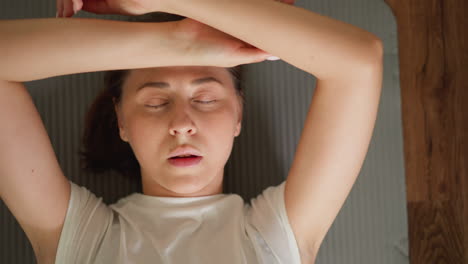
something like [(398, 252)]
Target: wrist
[(167, 45)]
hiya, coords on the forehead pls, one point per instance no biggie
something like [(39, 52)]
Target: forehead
[(177, 75)]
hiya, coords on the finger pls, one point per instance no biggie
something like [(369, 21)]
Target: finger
[(273, 58), (252, 55), (67, 8), (267, 55), (59, 6), (77, 5)]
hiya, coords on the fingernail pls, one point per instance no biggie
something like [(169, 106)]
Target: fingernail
[(272, 58)]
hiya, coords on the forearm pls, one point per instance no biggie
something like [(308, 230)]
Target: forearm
[(32, 49), (322, 46)]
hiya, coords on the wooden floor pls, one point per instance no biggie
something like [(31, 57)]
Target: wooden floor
[(433, 55)]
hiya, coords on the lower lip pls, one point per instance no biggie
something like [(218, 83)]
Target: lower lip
[(185, 162)]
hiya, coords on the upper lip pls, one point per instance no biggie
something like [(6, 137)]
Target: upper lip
[(184, 150)]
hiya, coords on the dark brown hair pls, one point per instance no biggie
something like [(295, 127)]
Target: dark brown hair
[(102, 148)]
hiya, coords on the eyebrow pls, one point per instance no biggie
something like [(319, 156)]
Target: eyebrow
[(163, 85)]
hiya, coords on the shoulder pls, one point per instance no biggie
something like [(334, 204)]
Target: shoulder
[(87, 220), (267, 222)]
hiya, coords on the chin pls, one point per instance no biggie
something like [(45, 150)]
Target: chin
[(187, 187)]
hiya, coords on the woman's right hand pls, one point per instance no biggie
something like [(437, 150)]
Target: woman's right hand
[(208, 46)]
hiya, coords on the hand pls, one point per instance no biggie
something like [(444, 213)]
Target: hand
[(208, 46)]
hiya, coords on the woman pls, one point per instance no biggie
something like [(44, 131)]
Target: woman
[(182, 215)]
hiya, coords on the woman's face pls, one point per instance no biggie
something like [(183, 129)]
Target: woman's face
[(181, 118)]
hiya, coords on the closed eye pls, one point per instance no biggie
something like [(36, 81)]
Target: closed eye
[(198, 101), (156, 106), (206, 102)]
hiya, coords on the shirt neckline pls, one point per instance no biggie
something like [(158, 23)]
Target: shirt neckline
[(176, 199), (150, 200)]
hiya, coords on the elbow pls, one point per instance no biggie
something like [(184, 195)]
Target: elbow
[(377, 51), (371, 63), (372, 58)]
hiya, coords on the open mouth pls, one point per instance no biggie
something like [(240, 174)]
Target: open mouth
[(185, 157), (181, 161)]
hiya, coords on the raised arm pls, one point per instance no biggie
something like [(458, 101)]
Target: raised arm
[(32, 49), (325, 47), (32, 183), (347, 62)]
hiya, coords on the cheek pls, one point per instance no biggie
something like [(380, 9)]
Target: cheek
[(220, 143), (222, 124), (144, 127), (219, 134), (145, 136)]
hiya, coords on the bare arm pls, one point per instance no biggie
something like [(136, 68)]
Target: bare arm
[(31, 179), (32, 49), (347, 62), (322, 46)]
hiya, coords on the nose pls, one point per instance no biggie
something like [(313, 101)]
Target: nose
[(182, 123)]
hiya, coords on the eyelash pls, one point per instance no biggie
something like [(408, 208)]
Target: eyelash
[(203, 102)]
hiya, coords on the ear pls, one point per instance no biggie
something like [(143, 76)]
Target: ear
[(122, 133), (238, 129), (239, 123)]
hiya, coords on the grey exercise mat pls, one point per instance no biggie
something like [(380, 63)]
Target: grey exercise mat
[(370, 228)]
